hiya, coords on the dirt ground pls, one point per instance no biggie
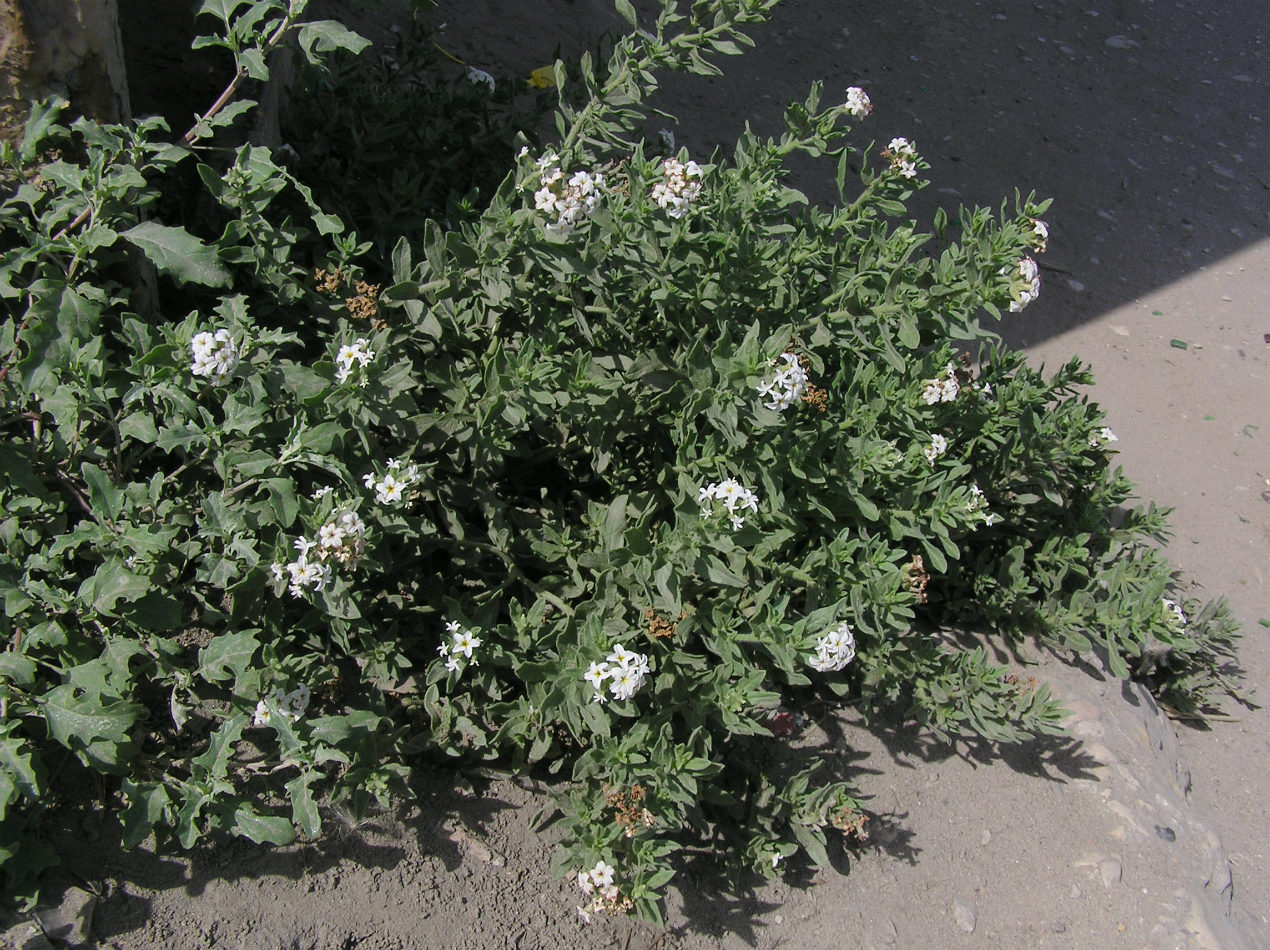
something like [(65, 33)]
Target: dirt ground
[(1147, 124)]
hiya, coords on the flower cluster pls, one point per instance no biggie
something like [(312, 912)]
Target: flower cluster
[(1025, 283), (734, 496), (679, 188), (858, 102), (477, 76), (391, 488), (834, 650), (944, 388), (1040, 235), (352, 357), (292, 705), (1102, 437), (903, 157), (938, 446), (215, 355), (786, 387), (978, 504), (570, 201), (461, 643), (340, 539), (598, 884), (1173, 613), (625, 671)]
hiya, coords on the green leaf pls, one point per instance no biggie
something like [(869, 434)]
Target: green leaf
[(97, 731), (19, 771), (106, 497), (17, 669), (227, 656), (156, 612), (223, 10), (179, 254), (111, 583), (304, 810), (43, 117), (262, 829), (325, 36), (214, 763), (627, 12), (147, 802)]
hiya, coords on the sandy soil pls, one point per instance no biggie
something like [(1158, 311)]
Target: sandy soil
[(1147, 123)]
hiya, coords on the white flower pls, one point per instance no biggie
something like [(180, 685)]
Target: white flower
[(351, 357), (391, 488), (262, 716), (903, 156), (475, 76), (596, 674), (214, 355), (544, 199), (858, 102), (570, 201), (624, 682), (734, 496), (978, 504), (1040, 235), (944, 388), (304, 545), (787, 386), (352, 524), (834, 650), (1176, 616), (292, 705), (388, 491), (679, 188), (621, 656), (331, 535), (938, 446), (1102, 436), (602, 874), (464, 642), (1025, 283), (322, 492)]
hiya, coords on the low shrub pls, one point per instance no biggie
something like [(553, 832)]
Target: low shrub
[(606, 478)]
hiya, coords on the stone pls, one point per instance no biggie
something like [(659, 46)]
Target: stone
[(965, 913), (1111, 871), (25, 936)]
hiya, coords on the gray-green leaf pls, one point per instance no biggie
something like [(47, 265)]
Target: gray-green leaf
[(179, 254)]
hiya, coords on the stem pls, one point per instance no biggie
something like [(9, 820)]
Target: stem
[(514, 570)]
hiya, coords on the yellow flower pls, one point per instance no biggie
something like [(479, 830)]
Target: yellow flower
[(544, 77)]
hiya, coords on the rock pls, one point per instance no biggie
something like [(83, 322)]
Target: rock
[(1111, 871), (965, 913), (25, 936), (71, 922)]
